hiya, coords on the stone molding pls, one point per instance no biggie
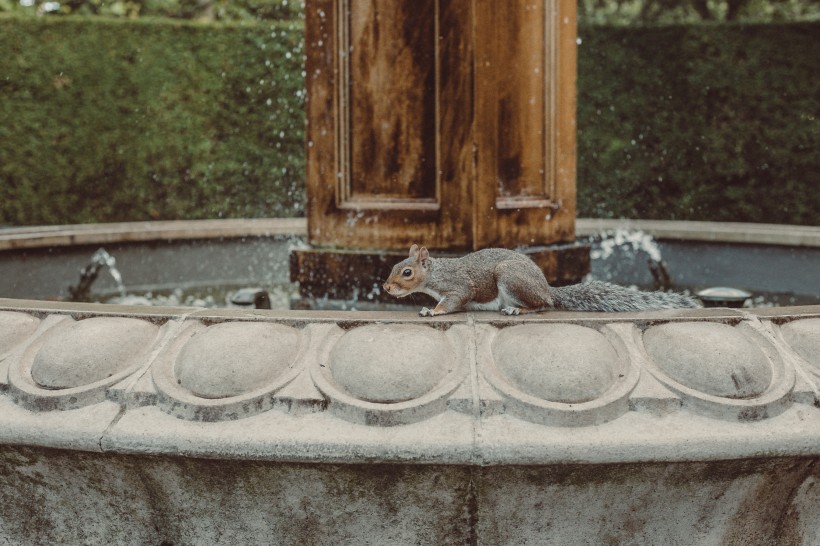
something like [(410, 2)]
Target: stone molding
[(472, 388), (176, 230), (167, 230), (716, 232)]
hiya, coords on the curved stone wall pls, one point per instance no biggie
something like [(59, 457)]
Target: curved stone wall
[(127, 425), (471, 388)]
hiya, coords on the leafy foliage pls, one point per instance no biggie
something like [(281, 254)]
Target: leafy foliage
[(700, 122), (625, 12), (641, 12), (108, 121), (201, 10)]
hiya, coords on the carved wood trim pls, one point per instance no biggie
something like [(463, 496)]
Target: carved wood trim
[(446, 101), (389, 203), (545, 198), (524, 92), (526, 202), (346, 197)]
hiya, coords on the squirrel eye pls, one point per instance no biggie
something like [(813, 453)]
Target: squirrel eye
[(407, 273)]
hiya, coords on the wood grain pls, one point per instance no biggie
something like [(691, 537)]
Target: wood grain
[(449, 123), (392, 99)]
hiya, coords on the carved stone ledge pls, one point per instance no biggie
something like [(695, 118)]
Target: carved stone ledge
[(471, 388)]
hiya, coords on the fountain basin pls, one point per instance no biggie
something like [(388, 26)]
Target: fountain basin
[(298, 448), (179, 442), (779, 262)]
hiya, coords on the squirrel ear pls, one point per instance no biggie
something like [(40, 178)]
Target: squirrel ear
[(414, 251), (423, 254)]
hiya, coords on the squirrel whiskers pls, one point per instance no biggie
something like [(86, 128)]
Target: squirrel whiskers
[(505, 280)]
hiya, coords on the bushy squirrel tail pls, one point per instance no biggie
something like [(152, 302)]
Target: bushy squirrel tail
[(602, 296)]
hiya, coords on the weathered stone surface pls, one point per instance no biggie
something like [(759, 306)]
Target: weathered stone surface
[(715, 359), (390, 363), (474, 454), (234, 358), (78, 429), (765, 502), (90, 350), (804, 337), (15, 328), (71, 497), (298, 375), (556, 362)]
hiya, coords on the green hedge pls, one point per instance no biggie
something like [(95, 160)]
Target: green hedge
[(700, 123), (105, 120)]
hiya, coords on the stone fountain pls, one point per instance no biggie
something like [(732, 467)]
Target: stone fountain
[(164, 425)]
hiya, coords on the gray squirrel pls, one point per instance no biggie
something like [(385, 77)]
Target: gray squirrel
[(505, 280)]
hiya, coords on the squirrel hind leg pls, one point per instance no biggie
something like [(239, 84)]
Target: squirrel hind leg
[(522, 289)]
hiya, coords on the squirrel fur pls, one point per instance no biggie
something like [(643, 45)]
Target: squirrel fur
[(505, 280)]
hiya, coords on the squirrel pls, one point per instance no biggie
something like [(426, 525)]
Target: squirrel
[(505, 280)]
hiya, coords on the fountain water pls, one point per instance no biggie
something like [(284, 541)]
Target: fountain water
[(635, 243), (255, 297), (207, 272), (88, 274), (778, 265)]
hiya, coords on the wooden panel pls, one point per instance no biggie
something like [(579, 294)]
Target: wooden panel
[(524, 100), (565, 60), (389, 139), (388, 98), (447, 123), (525, 91), (392, 96), (320, 109)]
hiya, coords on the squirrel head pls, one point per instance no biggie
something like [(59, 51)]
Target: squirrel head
[(409, 275)]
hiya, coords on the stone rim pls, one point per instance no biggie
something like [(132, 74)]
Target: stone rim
[(769, 403), (403, 354), (787, 334), (26, 322), (182, 403), (356, 410), (531, 374), (610, 405), (64, 357), (28, 393), (196, 354), (715, 359)]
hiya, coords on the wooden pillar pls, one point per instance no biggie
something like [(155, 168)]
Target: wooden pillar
[(447, 123)]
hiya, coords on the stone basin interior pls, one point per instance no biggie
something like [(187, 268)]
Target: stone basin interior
[(206, 272)]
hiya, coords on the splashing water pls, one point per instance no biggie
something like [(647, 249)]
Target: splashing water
[(626, 238), (102, 256), (88, 274), (635, 242)]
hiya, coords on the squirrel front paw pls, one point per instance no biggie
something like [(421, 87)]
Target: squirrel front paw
[(511, 311), (426, 312)]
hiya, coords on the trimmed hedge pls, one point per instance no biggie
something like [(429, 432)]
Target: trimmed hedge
[(108, 120), (105, 120), (714, 122)]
